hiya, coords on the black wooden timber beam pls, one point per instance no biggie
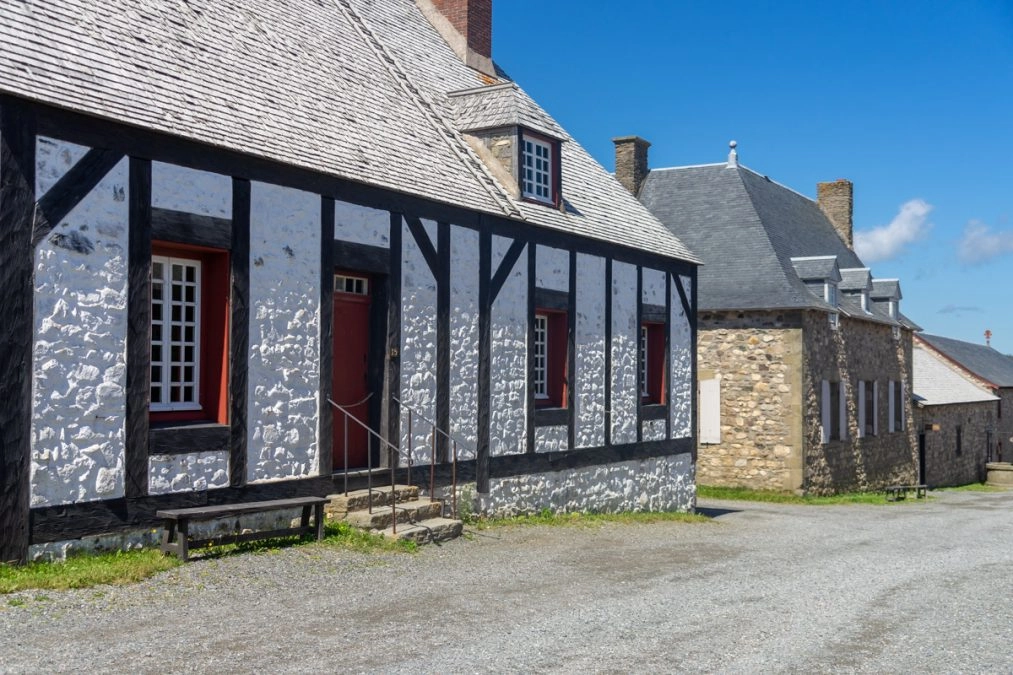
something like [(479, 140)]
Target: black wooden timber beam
[(138, 329), (17, 201), (530, 390), (668, 354), (424, 243), (239, 331), (506, 266), (571, 355), (184, 439), (181, 227), (686, 306), (484, 359), (325, 422), (72, 187), (392, 358), (636, 338), (608, 352), (442, 274), (354, 257)]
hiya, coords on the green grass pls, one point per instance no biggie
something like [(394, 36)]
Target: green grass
[(775, 497), (548, 518), (84, 571), (972, 487), (126, 567)]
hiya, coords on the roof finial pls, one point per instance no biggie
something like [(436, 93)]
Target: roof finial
[(988, 338), (733, 157)]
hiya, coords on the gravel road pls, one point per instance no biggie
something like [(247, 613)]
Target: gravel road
[(763, 588)]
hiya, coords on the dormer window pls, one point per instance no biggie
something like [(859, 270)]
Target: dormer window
[(830, 293), (865, 302), (891, 307), (539, 175)]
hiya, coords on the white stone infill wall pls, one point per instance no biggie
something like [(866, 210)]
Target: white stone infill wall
[(680, 408), (552, 439), (464, 340), (284, 373), (79, 353), (654, 287), (552, 268), (190, 190), (194, 471), (361, 225), (508, 357), (625, 342), (418, 344), (589, 392), (653, 484), (654, 430)]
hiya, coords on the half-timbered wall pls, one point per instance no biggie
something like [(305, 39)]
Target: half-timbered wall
[(456, 328)]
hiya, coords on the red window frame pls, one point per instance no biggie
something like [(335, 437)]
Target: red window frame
[(653, 386), (556, 359), (555, 171), (214, 333)]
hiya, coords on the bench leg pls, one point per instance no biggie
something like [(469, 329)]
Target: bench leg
[(304, 521), (183, 548), (319, 517), (168, 536)]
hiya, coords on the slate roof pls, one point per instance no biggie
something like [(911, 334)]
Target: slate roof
[(817, 268), (885, 289), (351, 88), (746, 228), (856, 279), (981, 360), (936, 382)]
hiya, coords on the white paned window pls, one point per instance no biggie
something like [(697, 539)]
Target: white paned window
[(349, 284), (536, 170), (541, 355), (175, 333), (710, 411), (830, 293), (643, 360)]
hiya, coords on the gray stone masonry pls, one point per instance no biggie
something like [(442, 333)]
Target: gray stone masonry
[(944, 466), (835, 199), (631, 162), (857, 350)]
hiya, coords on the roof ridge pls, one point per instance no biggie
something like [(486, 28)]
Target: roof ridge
[(442, 125)]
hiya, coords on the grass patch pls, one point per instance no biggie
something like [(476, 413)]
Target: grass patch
[(84, 571), (775, 497), (549, 518), (972, 487)]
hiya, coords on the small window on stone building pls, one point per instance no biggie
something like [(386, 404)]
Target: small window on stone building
[(960, 440), (550, 357), (868, 408), (833, 412), (896, 406)]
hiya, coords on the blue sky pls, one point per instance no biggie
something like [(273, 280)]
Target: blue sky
[(913, 101)]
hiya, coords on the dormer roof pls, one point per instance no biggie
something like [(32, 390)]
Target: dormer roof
[(817, 268), (885, 290), (498, 106), (856, 279)]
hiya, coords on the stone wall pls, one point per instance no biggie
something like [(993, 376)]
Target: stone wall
[(857, 350), (757, 358), (944, 466)]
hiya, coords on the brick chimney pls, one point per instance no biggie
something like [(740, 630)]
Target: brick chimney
[(466, 25), (631, 162), (836, 200)]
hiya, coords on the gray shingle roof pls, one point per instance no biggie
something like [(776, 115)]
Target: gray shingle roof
[(503, 105), (352, 88), (981, 360), (746, 229), (886, 289), (938, 383), (856, 279), (817, 268)]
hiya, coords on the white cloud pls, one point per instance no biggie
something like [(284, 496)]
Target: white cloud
[(980, 244), (889, 241)]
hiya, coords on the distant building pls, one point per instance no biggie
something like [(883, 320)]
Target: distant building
[(804, 358)]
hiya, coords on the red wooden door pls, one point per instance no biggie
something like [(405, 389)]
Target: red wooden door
[(349, 384)]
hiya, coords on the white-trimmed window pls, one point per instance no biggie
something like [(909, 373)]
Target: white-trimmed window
[(644, 340), (868, 408), (833, 412), (344, 283), (541, 354), (896, 398), (175, 333), (830, 293), (536, 169)]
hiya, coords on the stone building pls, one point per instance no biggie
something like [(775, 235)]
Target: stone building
[(955, 418), (218, 217), (989, 370), (804, 359)]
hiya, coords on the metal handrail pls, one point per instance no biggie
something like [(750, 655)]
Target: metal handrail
[(432, 453)]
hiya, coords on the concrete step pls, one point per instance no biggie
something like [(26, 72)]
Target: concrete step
[(414, 510), (426, 531), (358, 500)]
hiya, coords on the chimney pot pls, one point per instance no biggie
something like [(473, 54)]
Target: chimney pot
[(631, 162), (836, 200)]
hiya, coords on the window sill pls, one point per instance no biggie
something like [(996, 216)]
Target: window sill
[(180, 438), (551, 417)]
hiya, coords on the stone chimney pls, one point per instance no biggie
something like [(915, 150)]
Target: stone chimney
[(466, 25), (836, 200), (631, 162)]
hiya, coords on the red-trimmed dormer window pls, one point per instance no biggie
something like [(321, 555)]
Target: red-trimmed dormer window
[(549, 377), (652, 362), (189, 333), (539, 174)]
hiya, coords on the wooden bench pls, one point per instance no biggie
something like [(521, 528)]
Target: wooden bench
[(897, 492), (176, 533)]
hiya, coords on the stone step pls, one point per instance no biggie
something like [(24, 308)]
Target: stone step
[(411, 511), (426, 531), (357, 500)]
